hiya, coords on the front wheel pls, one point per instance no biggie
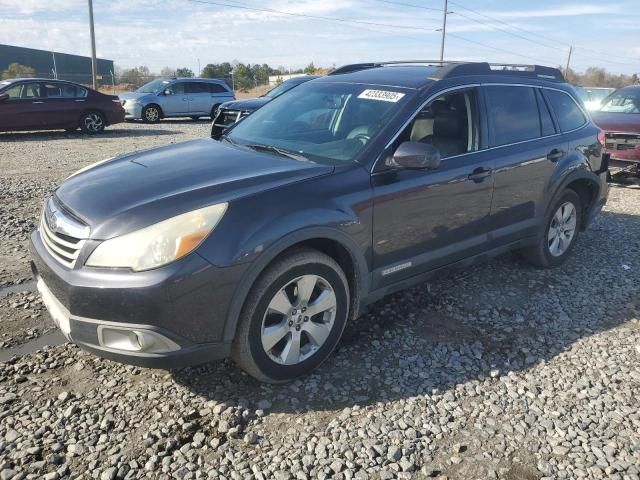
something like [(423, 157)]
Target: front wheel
[(562, 226), (293, 317), (92, 122), (151, 114)]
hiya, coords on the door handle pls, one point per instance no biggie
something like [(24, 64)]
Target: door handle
[(79, 100), (480, 174), (37, 102), (555, 155), (185, 99)]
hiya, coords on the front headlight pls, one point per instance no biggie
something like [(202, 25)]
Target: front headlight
[(158, 244)]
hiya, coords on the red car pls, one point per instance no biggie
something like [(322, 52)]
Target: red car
[(619, 117), (41, 104)]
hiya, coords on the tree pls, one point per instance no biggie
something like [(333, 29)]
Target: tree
[(184, 72), (310, 69), (135, 76), (16, 70), (217, 70), (168, 72)]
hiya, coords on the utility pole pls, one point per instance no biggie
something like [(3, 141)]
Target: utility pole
[(55, 68), (93, 45), (444, 30), (566, 70)]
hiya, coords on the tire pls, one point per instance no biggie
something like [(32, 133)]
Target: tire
[(195, 119), (151, 114), (92, 122), (561, 231), (283, 285)]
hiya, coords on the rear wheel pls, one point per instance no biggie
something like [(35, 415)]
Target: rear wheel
[(293, 317), (151, 114), (92, 122), (562, 226)]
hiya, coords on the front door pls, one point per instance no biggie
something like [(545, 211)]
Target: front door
[(23, 109), (177, 102), (427, 219)]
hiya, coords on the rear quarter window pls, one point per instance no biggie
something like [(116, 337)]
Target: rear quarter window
[(567, 112), (217, 88)]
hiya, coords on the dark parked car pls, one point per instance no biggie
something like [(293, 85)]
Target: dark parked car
[(619, 117), (230, 112), (42, 104), (263, 245)]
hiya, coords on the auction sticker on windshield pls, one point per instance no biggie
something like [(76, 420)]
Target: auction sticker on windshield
[(382, 95)]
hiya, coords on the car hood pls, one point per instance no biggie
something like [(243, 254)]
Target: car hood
[(134, 95), (130, 192), (248, 105), (617, 122)]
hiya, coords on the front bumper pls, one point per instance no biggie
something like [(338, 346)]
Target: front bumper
[(132, 111), (184, 305)]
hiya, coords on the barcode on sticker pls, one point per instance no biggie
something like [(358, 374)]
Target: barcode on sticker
[(383, 95)]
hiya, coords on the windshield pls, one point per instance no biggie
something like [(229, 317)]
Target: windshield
[(280, 89), (622, 102), (153, 87), (326, 122)]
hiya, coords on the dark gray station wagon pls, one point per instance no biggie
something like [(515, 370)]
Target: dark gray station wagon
[(263, 245)]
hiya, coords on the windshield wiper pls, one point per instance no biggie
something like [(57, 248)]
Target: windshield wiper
[(280, 151)]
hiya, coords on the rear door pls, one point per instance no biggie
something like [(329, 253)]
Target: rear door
[(23, 109), (527, 148), (63, 104), (199, 97)]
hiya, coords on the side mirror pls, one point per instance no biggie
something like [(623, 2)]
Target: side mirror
[(416, 155), (4, 97), (167, 91)]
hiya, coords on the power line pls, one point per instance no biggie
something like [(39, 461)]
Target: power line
[(537, 34), (410, 5), (316, 17), (496, 48)]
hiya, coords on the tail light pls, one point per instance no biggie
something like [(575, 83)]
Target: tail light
[(602, 138)]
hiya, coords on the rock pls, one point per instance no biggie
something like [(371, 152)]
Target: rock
[(109, 473), (264, 404), (394, 453)]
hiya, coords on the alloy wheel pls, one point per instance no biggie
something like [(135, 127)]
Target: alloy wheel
[(298, 320), (562, 229), (152, 114), (93, 122)]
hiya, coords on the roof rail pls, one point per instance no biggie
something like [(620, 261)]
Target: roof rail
[(457, 68)]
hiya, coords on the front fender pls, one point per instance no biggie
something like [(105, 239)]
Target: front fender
[(266, 255)]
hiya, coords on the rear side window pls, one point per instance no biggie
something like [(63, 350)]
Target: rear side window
[(514, 113), (546, 123), (217, 88), (567, 111), (195, 87)]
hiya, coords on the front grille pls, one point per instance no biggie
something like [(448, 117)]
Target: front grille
[(625, 146), (58, 241), (622, 141)]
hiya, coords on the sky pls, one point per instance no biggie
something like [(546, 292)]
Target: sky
[(181, 33)]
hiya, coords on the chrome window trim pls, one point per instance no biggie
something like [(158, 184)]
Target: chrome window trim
[(474, 85)]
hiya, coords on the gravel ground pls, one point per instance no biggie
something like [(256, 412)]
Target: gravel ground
[(499, 371)]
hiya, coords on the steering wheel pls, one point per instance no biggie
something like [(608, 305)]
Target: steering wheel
[(363, 137)]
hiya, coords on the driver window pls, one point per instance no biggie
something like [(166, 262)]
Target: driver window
[(449, 123)]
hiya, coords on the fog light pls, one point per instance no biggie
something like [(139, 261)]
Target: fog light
[(135, 340)]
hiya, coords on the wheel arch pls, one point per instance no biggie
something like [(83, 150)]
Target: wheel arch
[(331, 242), (586, 185), (153, 104)]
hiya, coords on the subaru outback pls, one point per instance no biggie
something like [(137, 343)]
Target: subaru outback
[(263, 245)]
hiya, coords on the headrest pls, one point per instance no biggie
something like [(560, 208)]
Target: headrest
[(446, 126)]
